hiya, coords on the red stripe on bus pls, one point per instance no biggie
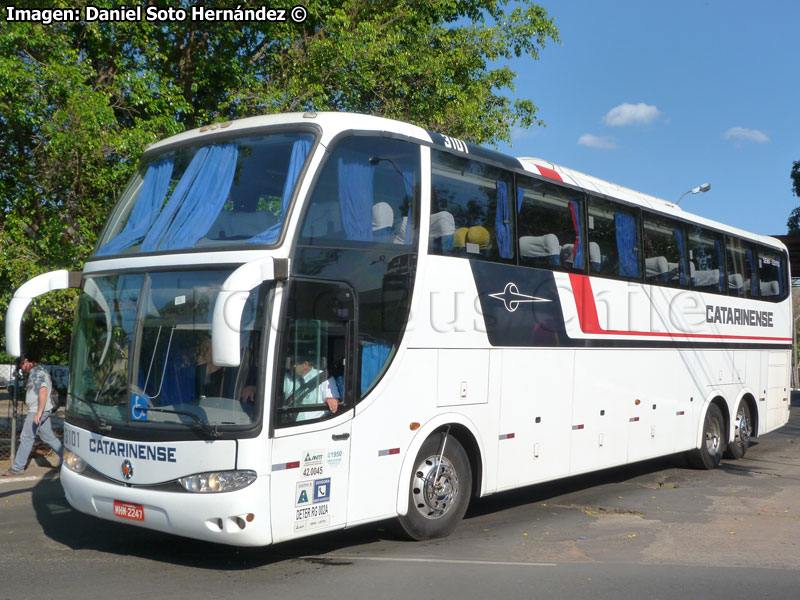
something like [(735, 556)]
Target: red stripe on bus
[(590, 324), (549, 173)]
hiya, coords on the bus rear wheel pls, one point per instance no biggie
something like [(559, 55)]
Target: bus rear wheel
[(439, 490), (709, 454), (743, 429)]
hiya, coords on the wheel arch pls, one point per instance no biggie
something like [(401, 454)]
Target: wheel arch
[(715, 397), (461, 429), (748, 397)]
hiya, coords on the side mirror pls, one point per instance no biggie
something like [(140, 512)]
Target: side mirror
[(39, 285), (225, 343)]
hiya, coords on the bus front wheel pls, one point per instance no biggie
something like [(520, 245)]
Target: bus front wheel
[(708, 455), (439, 490)]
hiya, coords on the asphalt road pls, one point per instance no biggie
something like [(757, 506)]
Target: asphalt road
[(652, 530)]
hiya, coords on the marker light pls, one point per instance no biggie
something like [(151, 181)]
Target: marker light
[(73, 462), (217, 481)]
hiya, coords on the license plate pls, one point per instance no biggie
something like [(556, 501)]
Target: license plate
[(127, 510)]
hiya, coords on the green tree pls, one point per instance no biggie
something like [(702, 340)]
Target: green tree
[(80, 101), (793, 224)]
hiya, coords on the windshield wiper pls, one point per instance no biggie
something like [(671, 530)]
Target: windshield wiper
[(212, 431), (99, 421)]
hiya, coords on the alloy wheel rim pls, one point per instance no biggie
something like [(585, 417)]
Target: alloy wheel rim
[(434, 496)]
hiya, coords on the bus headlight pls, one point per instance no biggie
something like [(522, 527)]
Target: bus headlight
[(73, 462), (217, 481)]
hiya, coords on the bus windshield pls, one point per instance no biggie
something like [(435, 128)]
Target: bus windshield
[(141, 353), (234, 192)]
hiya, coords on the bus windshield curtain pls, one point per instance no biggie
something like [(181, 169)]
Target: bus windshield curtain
[(300, 149), (721, 265), (148, 202), (678, 233), (373, 357), (355, 199), (625, 227), (200, 194), (502, 221), (577, 256)]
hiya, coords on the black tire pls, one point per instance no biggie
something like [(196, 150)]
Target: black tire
[(435, 508), (712, 447), (742, 431)]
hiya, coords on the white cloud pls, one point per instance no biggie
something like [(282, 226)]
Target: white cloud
[(740, 134), (593, 141), (631, 114)]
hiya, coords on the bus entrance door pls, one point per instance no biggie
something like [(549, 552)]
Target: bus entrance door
[(313, 411)]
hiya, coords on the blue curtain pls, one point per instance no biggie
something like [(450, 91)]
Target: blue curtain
[(753, 274), (355, 199), (520, 197), (720, 265), (502, 221), (408, 177), (300, 150), (204, 199), (678, 233), (145, 210), (577, 251), (373, 357), (625, 227)]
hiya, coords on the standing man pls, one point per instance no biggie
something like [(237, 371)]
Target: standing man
[(39, 401)]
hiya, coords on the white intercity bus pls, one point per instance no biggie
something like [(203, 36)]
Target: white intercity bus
[(297, 323)]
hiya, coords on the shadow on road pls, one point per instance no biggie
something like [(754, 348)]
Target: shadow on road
[(78, 531), (81, 532)]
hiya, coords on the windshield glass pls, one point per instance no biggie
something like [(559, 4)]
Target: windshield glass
[(141, 353), (228, 193)]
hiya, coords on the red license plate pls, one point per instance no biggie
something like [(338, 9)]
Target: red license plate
[(127, 510)]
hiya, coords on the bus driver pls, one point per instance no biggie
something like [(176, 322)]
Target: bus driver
[(309, 386)]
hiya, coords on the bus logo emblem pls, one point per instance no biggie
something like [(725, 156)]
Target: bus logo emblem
[(127, 469), (512, 298)]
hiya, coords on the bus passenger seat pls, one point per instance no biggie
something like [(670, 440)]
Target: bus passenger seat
[(770, 288), (657, 267), (705, 278), (567, 251), (478, 240), (736, 282), (443, 228), (594, 256), (541, 246), (382, 223)]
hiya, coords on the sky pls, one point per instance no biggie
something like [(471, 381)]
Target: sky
[(662, 97)]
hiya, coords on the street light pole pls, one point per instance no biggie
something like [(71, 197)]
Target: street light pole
[(704, 187)]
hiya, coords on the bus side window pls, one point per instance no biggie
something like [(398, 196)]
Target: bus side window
[(312, 366), (706, 261), (549, 225), (613, 239), (367, 194), (472, 209), (664, 251), (771, 281), (740, 271)]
